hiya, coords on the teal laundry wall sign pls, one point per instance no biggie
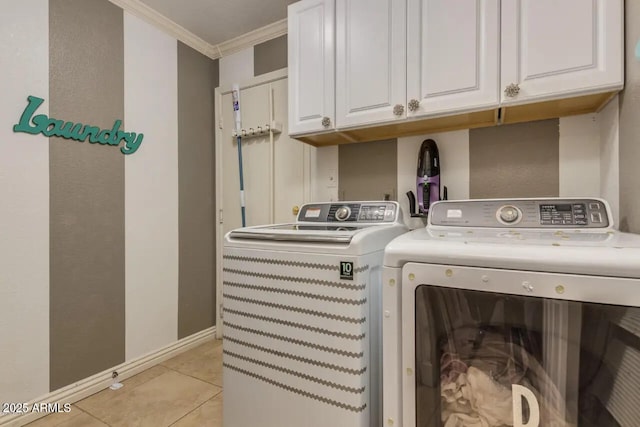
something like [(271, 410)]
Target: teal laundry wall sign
[(48, 126)]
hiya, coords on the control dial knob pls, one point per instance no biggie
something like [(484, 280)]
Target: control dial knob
[(509, 214), (343, 213)]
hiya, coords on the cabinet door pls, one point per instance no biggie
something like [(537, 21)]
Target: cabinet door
[(553, 49), (370, 61), (311, 66), (452, 56)]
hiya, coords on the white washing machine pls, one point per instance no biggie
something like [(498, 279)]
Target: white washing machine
[(513, 313), (301, 315)]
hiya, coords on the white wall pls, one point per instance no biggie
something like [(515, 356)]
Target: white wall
[(609, 119), (579, 156), (151, 188), (590, 156), (24, 194), (324, 174)]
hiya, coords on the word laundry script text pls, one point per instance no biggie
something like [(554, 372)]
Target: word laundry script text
[(49, 126)]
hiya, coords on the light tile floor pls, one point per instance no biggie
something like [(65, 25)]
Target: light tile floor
[(185, 391)]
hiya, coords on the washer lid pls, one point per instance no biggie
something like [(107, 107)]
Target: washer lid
[(600, 253), (297, 232)]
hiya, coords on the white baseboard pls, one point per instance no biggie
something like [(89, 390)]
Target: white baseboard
[(91, 385)]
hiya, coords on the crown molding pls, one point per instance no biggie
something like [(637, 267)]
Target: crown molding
[(142, 11), (261, 35)]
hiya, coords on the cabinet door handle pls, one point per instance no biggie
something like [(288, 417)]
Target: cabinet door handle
[(512, 90), (398, 109), (414, 104), (326, 122)]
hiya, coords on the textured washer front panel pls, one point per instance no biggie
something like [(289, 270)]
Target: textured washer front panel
[(296, 340)]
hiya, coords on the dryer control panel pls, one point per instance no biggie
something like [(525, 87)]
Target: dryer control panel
[(522, 213), (377, 212)]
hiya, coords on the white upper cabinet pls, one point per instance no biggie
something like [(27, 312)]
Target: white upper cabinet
[(559, 48), (453, 56), (397, 64), (370, 61), (311, 66)]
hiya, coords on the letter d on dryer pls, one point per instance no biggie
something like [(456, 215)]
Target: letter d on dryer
[(519, 392)]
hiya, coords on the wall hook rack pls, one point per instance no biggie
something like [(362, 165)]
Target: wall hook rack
[(259, 130)]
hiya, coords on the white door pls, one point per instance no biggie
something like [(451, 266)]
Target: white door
[(254, 107), (311, 66), (452, 56), (552, 48), (276, 172), (370, 61)]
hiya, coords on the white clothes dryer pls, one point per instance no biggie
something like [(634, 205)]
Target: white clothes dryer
[(301, 316), (520, 312)]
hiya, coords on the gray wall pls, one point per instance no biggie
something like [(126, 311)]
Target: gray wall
[(630, 125), (270, 56), (87, 289), (197, 79), (519, 160), (368, 171)]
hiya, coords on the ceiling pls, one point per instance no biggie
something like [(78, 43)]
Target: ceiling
[(217, 21)]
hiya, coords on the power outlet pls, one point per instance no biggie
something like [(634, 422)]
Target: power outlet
[(332, 178), (388, 194)]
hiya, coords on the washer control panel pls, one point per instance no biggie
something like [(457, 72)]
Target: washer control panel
[(369, 213), (522, 213), (383, 212), (343, 213), (570, 214), (509, 214)]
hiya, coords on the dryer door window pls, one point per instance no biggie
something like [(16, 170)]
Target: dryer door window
[(493, 360)]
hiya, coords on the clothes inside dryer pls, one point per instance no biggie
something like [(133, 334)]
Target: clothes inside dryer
[(492, 360)]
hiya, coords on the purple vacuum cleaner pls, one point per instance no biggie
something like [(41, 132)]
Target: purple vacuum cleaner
[(427, 179)]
